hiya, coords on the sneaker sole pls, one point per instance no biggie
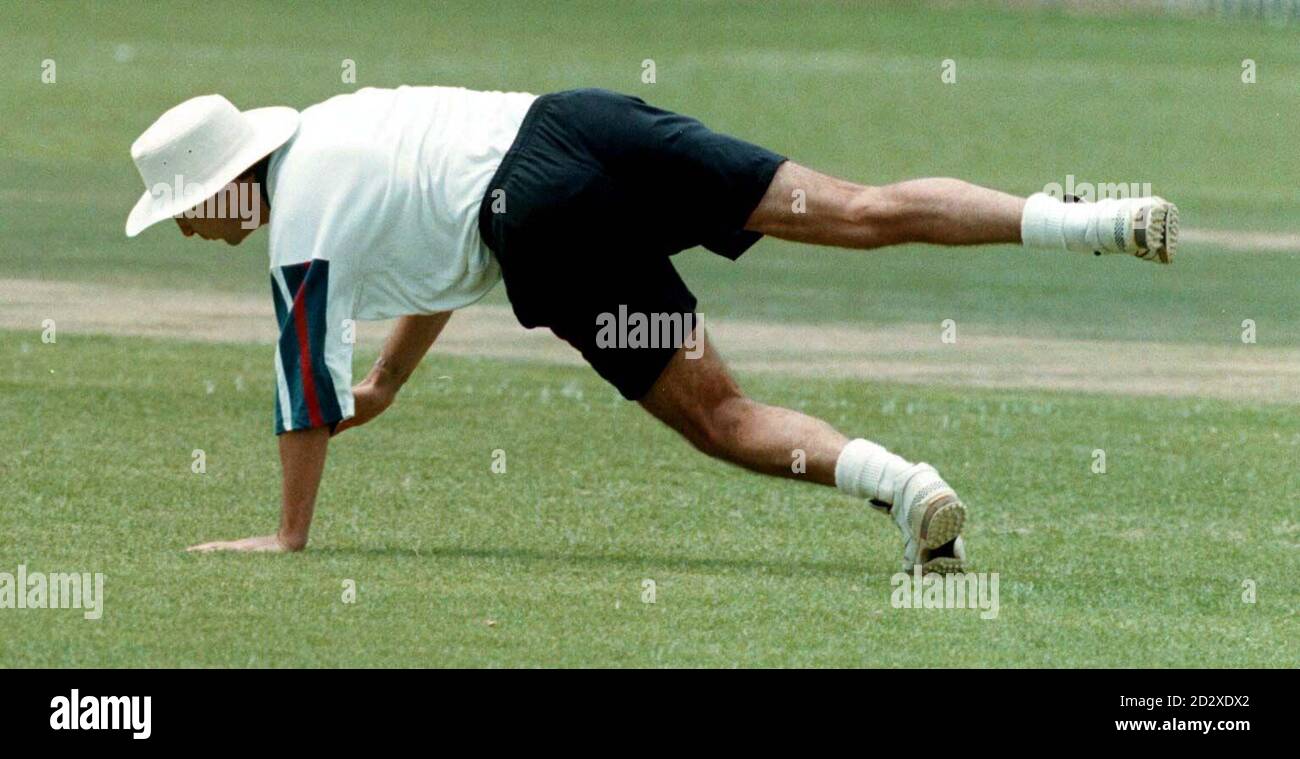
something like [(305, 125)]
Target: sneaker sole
[(1157, 238), (942, 522), (944, 565)]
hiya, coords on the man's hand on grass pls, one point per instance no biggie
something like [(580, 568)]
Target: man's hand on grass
[(302, 452), (302, 460), (262, 544)]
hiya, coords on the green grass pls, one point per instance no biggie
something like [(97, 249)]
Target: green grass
[(1141, 566), (853, 89)]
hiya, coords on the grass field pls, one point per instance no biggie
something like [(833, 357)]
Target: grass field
[(1140, 566), (543, 565)]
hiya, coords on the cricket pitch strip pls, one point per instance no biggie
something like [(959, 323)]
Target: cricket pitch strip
[(909, 353)]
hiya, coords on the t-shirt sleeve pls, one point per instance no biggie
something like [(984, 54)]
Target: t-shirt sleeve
[(313, 359)]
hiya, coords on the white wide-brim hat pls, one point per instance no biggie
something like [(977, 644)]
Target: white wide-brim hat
[(197, 148)]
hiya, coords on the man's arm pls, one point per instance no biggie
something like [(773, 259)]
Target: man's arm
[(405, 347), (302, 461), (302, 452)]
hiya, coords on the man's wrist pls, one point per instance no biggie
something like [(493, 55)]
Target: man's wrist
[(385, 377)]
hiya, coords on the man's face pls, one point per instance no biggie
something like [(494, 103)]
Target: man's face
[(230, 215)]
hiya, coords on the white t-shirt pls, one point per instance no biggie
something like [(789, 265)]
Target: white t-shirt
[(374, 215)]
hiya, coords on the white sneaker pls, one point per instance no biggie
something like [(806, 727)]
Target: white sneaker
[(1142, 227), (930, 516)]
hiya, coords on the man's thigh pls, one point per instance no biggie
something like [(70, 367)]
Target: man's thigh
[(627, 318)]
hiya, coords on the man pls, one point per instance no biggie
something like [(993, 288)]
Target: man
[(413, 202)]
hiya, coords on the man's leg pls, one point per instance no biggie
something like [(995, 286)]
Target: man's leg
[(844, 214), (806, 206), (699, 398)]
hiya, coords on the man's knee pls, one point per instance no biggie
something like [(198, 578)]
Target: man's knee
[(879, 213), (699, 399)]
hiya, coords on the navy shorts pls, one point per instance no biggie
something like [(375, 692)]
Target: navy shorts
[(594, 196)]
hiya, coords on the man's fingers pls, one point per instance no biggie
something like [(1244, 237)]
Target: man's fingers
[(218, 545), (263, 543), (353, 421)]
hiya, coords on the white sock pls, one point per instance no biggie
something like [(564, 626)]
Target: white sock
[(1050, 224), (862, 468), (1043, 223)]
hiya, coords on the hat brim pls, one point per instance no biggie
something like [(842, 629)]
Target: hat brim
[(272, 127)]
